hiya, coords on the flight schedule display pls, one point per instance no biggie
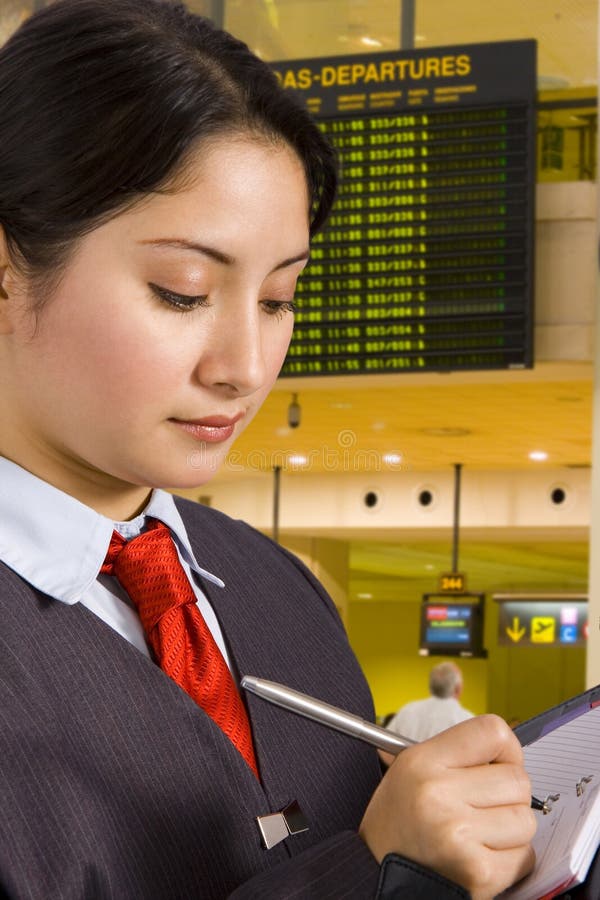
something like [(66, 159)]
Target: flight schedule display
[(427, 260)]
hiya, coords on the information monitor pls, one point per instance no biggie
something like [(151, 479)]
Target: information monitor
[(427, 260), (452, 626)]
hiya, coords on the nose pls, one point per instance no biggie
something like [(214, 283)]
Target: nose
[(233, 357)]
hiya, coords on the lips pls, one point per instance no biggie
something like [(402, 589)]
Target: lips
[(211, 430)]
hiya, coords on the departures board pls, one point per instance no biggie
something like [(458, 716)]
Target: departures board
[(427, 260)]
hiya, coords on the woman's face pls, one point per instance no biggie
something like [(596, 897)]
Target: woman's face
[(166, 332)]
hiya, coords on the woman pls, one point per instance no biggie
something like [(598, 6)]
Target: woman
[(157, 196)]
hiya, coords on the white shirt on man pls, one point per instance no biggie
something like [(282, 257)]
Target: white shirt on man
[(421, 719)]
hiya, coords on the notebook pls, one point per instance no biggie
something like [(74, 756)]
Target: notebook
[(562, 756)]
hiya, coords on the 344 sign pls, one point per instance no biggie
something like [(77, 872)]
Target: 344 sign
[(453, 583)]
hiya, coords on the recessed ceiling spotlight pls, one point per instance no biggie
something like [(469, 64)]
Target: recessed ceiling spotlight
[(340, 405), (538, 455), (420, 38), (370, 42), (296, 459), (365, 596), (378, 426), (392, 459)]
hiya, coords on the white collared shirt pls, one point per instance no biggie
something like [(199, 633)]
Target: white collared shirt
[(58, 545)]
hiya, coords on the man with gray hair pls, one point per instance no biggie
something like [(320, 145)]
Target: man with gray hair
[(422, 719)]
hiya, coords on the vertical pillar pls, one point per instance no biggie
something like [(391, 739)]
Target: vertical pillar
[(216, 12), (276, 498), (593, 647), (407, 24)]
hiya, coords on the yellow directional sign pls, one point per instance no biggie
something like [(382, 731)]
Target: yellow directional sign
[(543, 623), (516, 633), (543, 629)]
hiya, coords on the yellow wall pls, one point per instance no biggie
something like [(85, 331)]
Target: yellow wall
[(385, 638)]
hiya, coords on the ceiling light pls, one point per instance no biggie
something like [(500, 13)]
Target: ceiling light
[(538, 455), (296, 459), (340, 405), (370, 42), (392, 459), (365, 596)]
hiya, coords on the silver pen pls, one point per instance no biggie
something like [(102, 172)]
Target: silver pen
[(335, 718), (343, 721)]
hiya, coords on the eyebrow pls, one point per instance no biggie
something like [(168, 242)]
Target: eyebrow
[(217, 255)]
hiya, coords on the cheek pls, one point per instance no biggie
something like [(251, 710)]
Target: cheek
[(277, 347), (108, 358)]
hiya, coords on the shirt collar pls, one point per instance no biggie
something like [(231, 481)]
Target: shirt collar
[(58, 544)]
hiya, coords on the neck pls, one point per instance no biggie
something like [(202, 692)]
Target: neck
[(117, 500)]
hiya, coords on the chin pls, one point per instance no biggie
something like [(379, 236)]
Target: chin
[(173, 467), (197, 480), (200, 468)]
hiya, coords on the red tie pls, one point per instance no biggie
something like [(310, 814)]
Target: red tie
[(148, 567)]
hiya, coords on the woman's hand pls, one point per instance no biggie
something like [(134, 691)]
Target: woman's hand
[(444, 806)]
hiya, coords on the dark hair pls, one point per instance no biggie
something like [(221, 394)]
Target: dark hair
[(101, 100)]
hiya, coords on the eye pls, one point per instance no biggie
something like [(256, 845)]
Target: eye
[(183, 302), (278, 307)]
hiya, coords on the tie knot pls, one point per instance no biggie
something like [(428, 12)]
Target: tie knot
[(148, 568), (117, 542)]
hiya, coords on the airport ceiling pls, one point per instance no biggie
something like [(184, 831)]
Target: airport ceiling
[(424, 422), (566, 30)]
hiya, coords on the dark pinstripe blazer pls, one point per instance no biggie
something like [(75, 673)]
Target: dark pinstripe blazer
[(114, 784)]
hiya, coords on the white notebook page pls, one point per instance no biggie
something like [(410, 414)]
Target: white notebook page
[(567, 837)]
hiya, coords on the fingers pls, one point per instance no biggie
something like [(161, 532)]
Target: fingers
[(499, 784), (482, 739), (501, 827)]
